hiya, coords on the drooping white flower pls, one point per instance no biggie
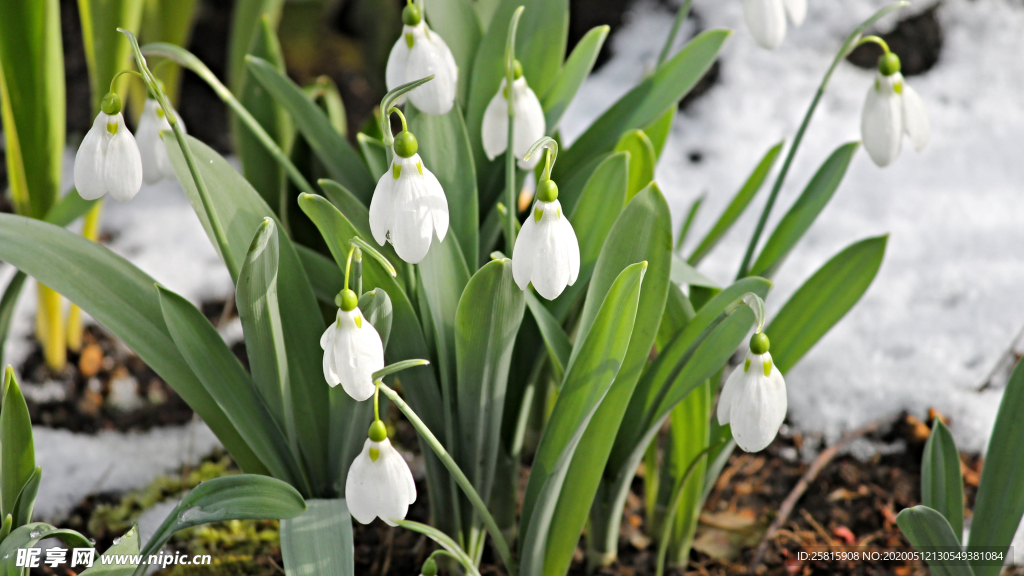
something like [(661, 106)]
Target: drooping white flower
[(156, 165), (108, 160), (547, 252), (353, 350), (753, 400), (528, 116), (379, 483), (408, 206), (766, 19), (891, 109), (418, 53)]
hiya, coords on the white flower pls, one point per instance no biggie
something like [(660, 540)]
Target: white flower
[(108, 160), (754, 402), (891, 109), (766, 19), (156, 165), (418, 53), (408, 207), (379, 484), (546, 251), (352, 351), (529, 123)]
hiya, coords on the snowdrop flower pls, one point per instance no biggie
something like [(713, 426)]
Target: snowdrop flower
[(379, 483), (527, 115), (352, 349), (546, 251), (418, 53), (156, 165), (108, 159), (891, 109), (409, 205), (753, 399), (766, 19)]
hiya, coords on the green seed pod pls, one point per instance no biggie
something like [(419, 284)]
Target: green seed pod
[(405, 144), (889, 64), (547, 191), (111, 104), (347, 300), (759, 343), (411, 15), (378, 431)]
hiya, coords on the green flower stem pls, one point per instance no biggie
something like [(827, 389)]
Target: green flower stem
[(188, 60), (510, 157), (179, 135), (448, 546), (681, 15), (478, 504), (844, 51)]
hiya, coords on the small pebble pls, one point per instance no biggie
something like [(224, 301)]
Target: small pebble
[(91, 360)]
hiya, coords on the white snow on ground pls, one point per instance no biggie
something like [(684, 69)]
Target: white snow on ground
[(946, 303)]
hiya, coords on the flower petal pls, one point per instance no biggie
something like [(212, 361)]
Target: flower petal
[(398, 59), (530, 124), (90, 159), (915, 118), (147, 134), (758, 410), (437, 203), (728, 395), (572, 247), (358, 353), (428, 57), (362, 486), (523, 253), (122, 168), (494, 130), (551, 262), (881, 124), (413, 227), (766, 20), (797, 10), (382, 207)]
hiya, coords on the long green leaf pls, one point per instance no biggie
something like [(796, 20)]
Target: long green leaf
[(443, 276), (688, 438), (374, 154), (126, 544), (735, 208), (26, 502), (82, 271), (224, 377), (241, 211), (577, 66), (641, 160), (587, 380), (823, 300), (804, 211), (557, 342), (357, 213), (942, 484), (106, 51), (319, 541), (445, 149), (999, 504), (457, 23), (28, 536), (17, 451), (646, 102), (8, 303), (245, 23), (659, 129), (340, 159), (927, 529)]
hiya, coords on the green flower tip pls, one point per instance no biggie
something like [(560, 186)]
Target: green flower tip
[(405, 144), (517, 69), (378, 431), (347, 300), (411, 15), (889, 64), (547, 191), (111, 104), (759, 343), (429, 567)]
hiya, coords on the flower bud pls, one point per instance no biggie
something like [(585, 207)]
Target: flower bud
[(888, 64)]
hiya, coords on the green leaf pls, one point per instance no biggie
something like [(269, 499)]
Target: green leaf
[(26, 502), (259, 167), (644, 103), (999, 504), (457, 23), (69, 208), (106, 51), (238, 497), (245, 23), (376, 307), (28, 536), (17, 451), (374, 154), (319, 541), (444, 541), (739, 203), (540, 48), (337, 155), (168, 21), (588, 378), (443, 275), (576, 69), (659, 129), (241, 211), (555, 339), (32, 108), (683, 273), (804, 211), (224, 377), (823, 300), (8, 303), (357, 213), (927, 529), (691, 215), (641, 160), (445, 149), (82, 271), (688, 437), (942, 485), (125, 545)]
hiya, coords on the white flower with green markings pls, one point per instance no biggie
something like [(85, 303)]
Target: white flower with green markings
[(766, 19), (156, 164), (379, 483), (753, 400), (547, 253), (892, 108), (527, 116), (353, 350), (108, 160), (418, 53)]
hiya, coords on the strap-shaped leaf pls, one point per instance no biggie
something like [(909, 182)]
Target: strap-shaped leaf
[(942, 485), (555, 339), (357, 213), (659, 129), (17, 450), (587, 380), (926, 528), (319, 541), (823, 300), (28, 536), (125, 545), (576, 69), (804, 211), (642, 159), (26, 503), (999, 504), (456, 22), (374, 154)]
